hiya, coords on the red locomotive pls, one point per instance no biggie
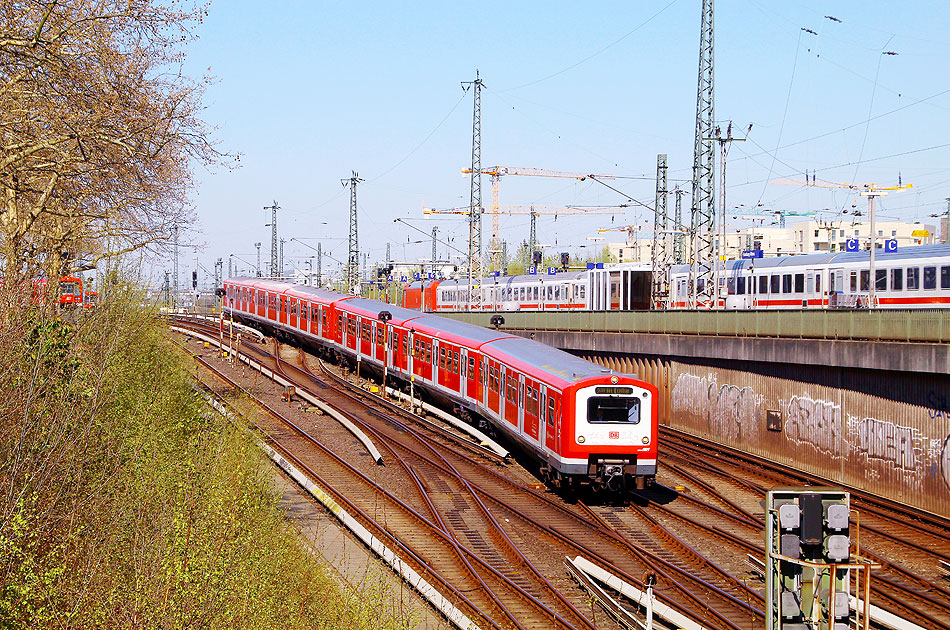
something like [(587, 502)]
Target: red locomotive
[(583, 423)]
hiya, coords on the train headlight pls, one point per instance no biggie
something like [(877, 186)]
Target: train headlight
[(580, 439), (645, 440)]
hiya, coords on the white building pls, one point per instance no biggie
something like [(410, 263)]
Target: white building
[(799, 238)]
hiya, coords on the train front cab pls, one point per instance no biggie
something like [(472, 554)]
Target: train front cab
[(605, 416)]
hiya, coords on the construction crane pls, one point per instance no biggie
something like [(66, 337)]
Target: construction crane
[(871, 191), (496, 173), (534, 212)]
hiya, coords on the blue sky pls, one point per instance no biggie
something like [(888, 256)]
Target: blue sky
[(308, 91)]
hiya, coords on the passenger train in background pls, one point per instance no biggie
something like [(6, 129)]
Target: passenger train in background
[(583, 423), (914, 277), (70, 291)]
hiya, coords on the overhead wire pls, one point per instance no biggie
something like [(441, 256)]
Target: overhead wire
[(602, 50)]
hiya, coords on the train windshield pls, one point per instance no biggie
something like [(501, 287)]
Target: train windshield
[(68, 287), (613, 410)]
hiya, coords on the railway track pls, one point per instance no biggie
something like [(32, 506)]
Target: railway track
[(502, 540), (513, 537), (909, 544)]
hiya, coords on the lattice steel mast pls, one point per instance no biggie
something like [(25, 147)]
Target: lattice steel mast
[(475, 205), (703, 210), (660, 254), (678, 221), (351, 275), (435, 236), (273, 238)]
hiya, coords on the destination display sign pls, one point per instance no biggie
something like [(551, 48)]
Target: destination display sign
[(616, 390)]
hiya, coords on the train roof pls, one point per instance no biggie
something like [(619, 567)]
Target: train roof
[(564, 276), (277, 286), (454, 330), (373, 308), (531, 356)]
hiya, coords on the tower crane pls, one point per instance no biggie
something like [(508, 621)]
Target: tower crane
[(533, 211), (496, 173)]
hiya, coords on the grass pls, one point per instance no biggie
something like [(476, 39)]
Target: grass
[(125, 503)]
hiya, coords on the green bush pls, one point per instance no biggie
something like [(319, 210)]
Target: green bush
[(127, 504)]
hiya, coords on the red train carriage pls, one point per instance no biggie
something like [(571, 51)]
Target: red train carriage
[(70, 291), (580, 421)]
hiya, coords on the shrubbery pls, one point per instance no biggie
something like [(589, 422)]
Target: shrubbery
[(126, 504)]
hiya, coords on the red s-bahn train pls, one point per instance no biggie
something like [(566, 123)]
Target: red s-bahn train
[(70, 291), (584, 424)]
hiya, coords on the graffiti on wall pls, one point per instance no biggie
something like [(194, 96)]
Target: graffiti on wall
[(730, 412), (881, 440), (816, 423)]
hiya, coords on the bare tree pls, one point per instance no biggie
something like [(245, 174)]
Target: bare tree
[(99, 129)]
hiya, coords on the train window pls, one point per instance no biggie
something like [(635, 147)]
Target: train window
[(471, 368), (818, 282), (740, 286), (551, 413), (557, 292), (786, 283), (763, 285), (455, 363), (582, 291), (913, 278), (731, 286), (865, 279), (535, 293), (442, 358), (366, 332), (428, 358), (897, 279), (945, 277), (854, 281), (613, 410), (799, 283), (930, 277), (774, 284), (880, 279)]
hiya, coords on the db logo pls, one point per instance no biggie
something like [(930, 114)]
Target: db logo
[(614, 435)]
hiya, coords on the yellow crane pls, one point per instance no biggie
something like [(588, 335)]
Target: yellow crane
[(496, 173), (534, 212)]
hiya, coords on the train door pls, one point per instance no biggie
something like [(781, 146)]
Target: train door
[(552, 428), (530, 411), (291, 311), (473, 389), (813, 288), (542, 412), (521, 403), (836, 287), (463, 388), (512, 387), (366, 337)]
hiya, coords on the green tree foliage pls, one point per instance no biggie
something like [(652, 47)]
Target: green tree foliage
[(127, 504)]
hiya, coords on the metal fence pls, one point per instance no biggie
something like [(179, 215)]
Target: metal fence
[(931, 325)]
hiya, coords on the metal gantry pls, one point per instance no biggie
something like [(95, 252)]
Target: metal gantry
[(273, 237), (351, 275), (174, 302), (435, 233), (475, 200), (703, 210), (659, 253), (678, 244)]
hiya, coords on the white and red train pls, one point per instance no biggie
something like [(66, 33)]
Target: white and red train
[(583, 423), (914, 277)]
